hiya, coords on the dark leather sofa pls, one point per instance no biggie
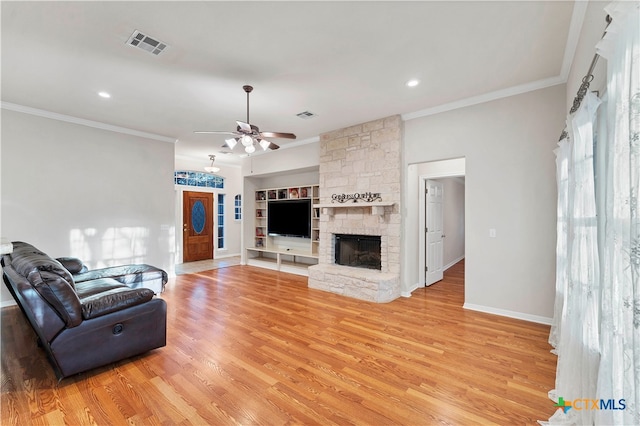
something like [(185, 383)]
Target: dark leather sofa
[(86, 319)]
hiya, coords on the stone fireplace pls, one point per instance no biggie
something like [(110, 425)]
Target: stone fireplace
[(361, 159)]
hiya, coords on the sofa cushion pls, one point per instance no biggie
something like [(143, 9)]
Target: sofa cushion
[(131, 275), (72, 264), (86, 289), (26, 259), (59, 294), (114, 300)]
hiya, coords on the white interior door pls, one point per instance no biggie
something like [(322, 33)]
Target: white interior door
[(434, 231)]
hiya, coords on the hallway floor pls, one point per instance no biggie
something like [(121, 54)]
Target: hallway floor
[(206, 265)]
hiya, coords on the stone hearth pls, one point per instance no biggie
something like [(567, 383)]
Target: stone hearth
[(360, 159)]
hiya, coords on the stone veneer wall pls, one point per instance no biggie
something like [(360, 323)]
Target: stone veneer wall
[(358, 159)]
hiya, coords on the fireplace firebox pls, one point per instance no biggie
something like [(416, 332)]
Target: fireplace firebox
[(361, 251)]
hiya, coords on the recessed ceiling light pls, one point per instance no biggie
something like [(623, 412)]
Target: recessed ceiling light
[(104, 95), (413, 83)]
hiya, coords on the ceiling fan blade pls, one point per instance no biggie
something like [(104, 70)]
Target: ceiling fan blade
[(244, 127), (215, 132), (273, 146), (278, 135)]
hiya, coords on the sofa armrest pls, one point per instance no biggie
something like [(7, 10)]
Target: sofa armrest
[(114, 300), (73, 265)]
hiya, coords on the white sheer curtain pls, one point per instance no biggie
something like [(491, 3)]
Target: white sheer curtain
[(575, 330), (619, 372), (596, 326)]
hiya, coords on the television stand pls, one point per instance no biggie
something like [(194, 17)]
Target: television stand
[(284, 260)]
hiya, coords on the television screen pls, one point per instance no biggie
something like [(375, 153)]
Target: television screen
[(290, 218)]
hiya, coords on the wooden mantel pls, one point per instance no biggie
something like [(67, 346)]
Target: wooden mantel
[(377, 207)]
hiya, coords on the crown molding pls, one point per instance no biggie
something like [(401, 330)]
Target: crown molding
[(487, 97), (83, 122), (575, 27)]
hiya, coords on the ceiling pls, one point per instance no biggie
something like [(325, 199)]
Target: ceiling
[(346, 62)]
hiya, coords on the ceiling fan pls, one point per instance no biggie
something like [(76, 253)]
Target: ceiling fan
[(249, 135)]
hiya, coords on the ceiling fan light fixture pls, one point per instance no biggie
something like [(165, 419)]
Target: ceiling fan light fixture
[(231, 142), (249, 135), (247, 140), (264, 144)]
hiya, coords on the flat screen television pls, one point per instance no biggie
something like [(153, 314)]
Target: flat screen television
[(289, 218)]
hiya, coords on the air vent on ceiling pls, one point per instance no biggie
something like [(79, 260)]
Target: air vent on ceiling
[(146, 43), (306, 114)]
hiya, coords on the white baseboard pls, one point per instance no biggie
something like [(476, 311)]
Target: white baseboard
[(450, 264), (7, 303), (511, 314), (411, 290), (224, 256)]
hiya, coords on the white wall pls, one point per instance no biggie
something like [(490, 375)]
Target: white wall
[(510, 186), (232, 187), (283, 160), (72, 190), (290, 179)]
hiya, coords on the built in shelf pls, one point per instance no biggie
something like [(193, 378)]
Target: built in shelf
[(377, 207), (301, 253)]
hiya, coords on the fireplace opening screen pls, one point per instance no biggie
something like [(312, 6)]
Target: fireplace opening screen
[(361, 251)]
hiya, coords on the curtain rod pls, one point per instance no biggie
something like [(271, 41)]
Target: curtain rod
[(586, 81)]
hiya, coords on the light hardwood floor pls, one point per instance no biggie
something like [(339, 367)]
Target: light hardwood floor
[(253, 346)]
